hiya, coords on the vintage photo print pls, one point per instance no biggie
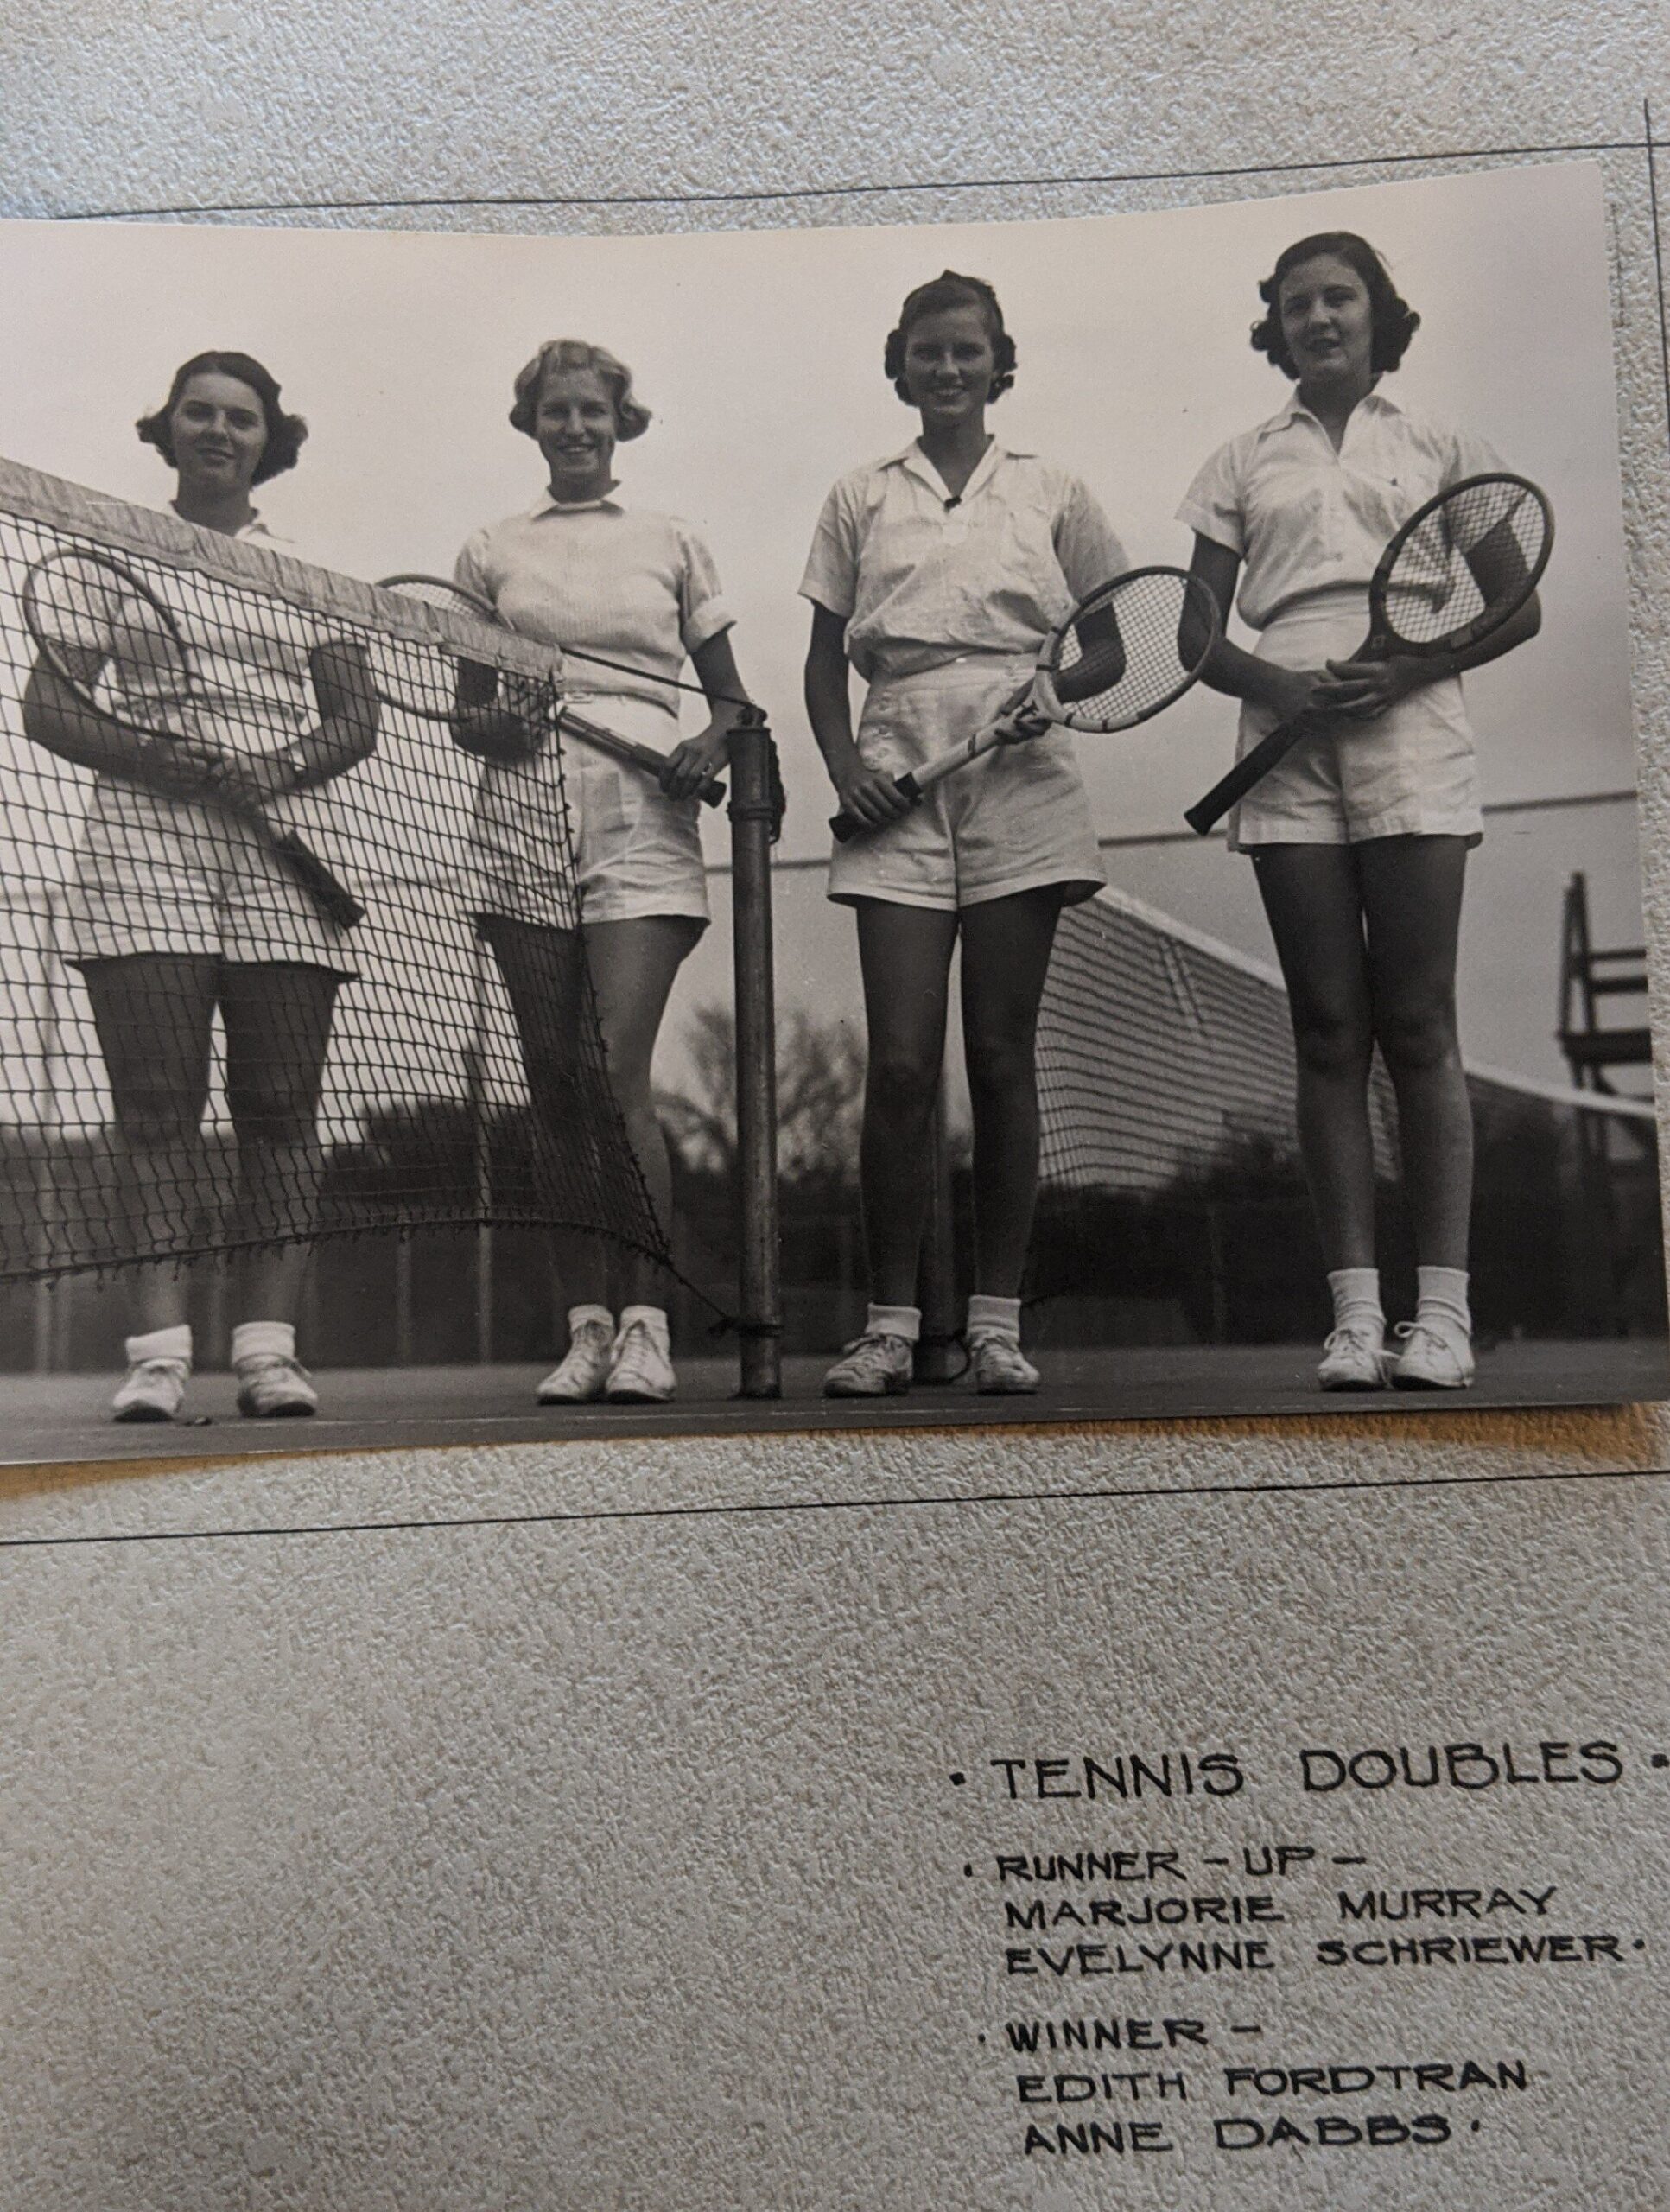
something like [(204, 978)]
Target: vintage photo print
[(997, 821)]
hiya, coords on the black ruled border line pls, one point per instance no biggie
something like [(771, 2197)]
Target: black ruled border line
[(449, 201), (767, 1509), (1658, 256)]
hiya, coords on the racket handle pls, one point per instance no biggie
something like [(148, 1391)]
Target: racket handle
[(848, 826), (1252, 767), (333, 898), (629, 749)]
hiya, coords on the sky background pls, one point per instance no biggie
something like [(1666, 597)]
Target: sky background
[(760, 355)]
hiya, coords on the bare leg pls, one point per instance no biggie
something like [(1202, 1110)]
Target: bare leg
[(633, 964), (1313, 904), (544, 975), (906, 954), (1006, 956), (1412, 892), (278, 1025), (153, 1012)]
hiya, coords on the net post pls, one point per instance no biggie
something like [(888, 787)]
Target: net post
[(754, 812), (935, 1359), (481, 1235)]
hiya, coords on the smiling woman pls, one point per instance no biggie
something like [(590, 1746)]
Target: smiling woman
[(1360, 834), (181, 908), (938, 575), (585, 571)]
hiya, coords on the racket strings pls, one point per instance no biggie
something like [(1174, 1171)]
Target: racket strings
[(88, 617), (1127, 652), (1476, 554), (423, 679)]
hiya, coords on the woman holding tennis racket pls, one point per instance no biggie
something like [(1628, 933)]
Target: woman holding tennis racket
[(182, 904), (586, 571), (938, 574), (1359, 837)]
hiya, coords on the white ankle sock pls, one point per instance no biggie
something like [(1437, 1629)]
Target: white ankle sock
[(161, 1344), (653, 1317), (263, 1340), (1442, 1294), (581, 1317), (894, 1321), (1356, 1296), (994, 1317)]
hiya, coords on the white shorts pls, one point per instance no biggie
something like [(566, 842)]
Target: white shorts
[(1016, 819), (636, 851), (1412, 773), (161, 874)]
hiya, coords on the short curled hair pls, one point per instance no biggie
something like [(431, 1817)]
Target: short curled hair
[(284, 432), (632, 417), (948, 289), (1395, 322)]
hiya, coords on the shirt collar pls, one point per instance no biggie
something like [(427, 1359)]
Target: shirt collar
[(915, 462), (1376, 401), (611, 503)]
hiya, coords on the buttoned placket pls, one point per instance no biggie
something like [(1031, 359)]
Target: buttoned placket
[(1332, 533)]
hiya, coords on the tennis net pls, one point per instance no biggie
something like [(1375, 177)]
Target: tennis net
[(1170, 1185), (422, 1115)]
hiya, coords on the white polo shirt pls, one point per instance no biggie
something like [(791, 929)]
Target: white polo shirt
[(636, 587), (922, 578), (1305, 518)]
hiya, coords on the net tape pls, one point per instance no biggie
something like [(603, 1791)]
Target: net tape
[(438, 1105)]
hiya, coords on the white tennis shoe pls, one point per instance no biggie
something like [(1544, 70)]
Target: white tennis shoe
[(583, 1370), (152, 1389), (641, 1370), (1436, 1355), (273, 1387), (1000, 1369), (875, 1365), (1353, 1357)]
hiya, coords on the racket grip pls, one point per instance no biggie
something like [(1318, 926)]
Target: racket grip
[(846, 826), (711, 792), (1252, 767), (333, 899)]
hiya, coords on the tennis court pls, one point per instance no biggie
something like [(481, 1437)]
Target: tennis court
[(1173, 1236), (64, 1417)]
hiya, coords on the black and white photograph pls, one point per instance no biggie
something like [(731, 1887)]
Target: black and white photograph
[(916, 825)]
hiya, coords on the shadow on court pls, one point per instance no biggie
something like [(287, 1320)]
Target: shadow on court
[(63, 1417)]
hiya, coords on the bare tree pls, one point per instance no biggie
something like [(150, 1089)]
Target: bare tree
[(820, 1088)]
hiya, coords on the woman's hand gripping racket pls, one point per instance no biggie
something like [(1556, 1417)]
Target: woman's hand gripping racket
[(1461, 567), (1126, 652), (398, 683), (113, 643)]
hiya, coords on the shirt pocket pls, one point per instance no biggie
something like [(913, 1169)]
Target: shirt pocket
[(1023, 574)]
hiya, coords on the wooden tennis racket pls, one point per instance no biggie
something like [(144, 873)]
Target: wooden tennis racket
[(113, 642), (1123, 655), (398, 683), (1462, 566)]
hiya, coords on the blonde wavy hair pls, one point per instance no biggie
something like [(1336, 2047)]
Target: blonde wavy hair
[(632, 417)]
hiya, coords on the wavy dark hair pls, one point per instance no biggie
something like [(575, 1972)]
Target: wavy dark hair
[(948, 289), (632, 416), (1395, 322), (285, 432)]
